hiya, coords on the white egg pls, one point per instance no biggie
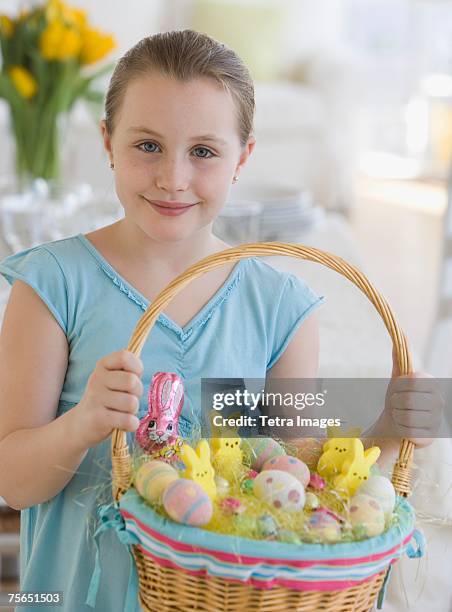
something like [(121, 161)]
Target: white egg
[(381, 489), (366, 516), (280, 489)]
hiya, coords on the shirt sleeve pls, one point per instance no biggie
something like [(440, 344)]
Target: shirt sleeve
[(39, 268), (297, 301)]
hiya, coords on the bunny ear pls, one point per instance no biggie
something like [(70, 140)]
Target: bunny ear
[(173, 408), (203, 451), (153, 404), (178, 401), (166, 394), (189, 457), (357, 449), (371, 455)]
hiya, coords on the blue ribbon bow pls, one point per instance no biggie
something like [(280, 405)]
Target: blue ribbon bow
[(111, 518)]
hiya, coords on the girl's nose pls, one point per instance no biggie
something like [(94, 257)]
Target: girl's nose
[(173, 175)]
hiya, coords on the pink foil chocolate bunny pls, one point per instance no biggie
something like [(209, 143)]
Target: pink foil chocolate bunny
[(158, 432)]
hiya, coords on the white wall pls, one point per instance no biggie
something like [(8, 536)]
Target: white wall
[(313, 23)]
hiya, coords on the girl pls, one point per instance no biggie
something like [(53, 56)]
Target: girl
[(178, 132)]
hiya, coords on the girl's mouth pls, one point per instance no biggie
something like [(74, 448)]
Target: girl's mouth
[(169, 209)]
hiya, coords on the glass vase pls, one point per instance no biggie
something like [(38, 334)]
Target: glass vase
[(36, 133)]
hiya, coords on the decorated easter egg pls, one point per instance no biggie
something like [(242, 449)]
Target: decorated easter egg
[(186, 502), (222, 484), (323, 527), (260, 450), (308, 450), (247, 485), (267, 526), (280, 489), (312, 501), (152, 478), (366, 516), (289, 464), (247, 525), (381, 489)]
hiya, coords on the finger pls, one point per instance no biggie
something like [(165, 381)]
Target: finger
[(413, 419), (121, 402), (117, 380), (412, 401), (422, 385), (125, 422), (414, 432), (123, 360)]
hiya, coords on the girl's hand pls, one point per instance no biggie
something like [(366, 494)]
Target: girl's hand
[(415, 405), (111, 398)]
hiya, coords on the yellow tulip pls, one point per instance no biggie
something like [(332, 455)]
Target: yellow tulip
[(6, 26), (95, 45), (79, 18), (59, 42), (56, 10), (23, 81)]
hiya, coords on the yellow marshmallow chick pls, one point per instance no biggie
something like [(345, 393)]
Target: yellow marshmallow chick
[(355, 470), (335, 452), (198, 466), (227, 457)]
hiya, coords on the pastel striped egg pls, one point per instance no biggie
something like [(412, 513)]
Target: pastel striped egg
[(186, 502), (152, 478), (289, 464), (260, 450)]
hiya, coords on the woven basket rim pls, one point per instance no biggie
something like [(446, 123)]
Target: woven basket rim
[(276, 550)]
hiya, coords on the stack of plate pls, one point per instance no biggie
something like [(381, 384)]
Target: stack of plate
[(268, 213)]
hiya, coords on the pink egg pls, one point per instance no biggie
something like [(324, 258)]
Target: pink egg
[(186, 502), (289, 464)]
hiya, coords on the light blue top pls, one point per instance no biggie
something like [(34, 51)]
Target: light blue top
[(240, 333)]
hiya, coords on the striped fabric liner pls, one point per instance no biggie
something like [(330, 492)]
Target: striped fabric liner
[(312, 567)]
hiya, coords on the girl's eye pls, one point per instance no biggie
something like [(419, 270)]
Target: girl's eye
[(147, 147), (203, 149)]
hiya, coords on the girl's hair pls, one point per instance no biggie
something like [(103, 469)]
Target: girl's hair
[(184, 55)]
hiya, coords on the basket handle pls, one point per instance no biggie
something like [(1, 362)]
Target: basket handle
[(121, 461)]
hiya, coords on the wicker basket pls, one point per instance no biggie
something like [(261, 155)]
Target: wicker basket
[(167, 584)]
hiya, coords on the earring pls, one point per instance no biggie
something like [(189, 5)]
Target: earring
[(112, 166), (235, 179)]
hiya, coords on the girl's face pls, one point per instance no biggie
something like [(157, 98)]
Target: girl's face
[(175, 149)]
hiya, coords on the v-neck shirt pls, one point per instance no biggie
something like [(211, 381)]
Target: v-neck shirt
[(239, 333)]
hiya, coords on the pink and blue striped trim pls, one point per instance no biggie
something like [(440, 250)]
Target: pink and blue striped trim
[(264, 564)]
